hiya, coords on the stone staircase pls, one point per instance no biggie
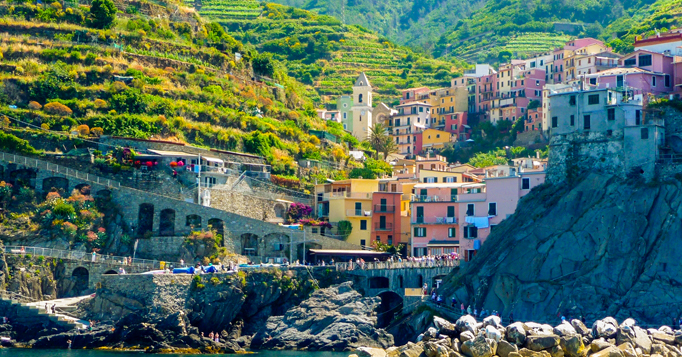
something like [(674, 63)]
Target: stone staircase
[(34, 313)]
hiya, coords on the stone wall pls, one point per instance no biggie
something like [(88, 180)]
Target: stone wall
[(268, 210), (571, 155), (170, 146), (160, 248), (528, 138)]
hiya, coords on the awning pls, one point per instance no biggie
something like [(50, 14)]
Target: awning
[(171, 153), (213, 159)]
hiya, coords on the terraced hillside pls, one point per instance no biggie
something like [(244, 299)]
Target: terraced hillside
[(323, 52), (173, 76), (660, 16)]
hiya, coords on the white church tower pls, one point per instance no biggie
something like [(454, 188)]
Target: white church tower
[(362, 107)]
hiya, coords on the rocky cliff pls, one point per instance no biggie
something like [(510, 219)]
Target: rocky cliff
[(600, 246)]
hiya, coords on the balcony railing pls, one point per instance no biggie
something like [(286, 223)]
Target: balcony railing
[(434, 220), (347, 194), (358, 213), (383, 227), (384, 208), (441, 198)]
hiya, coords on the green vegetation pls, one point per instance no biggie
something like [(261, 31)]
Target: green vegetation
[(322, 52), (660, 16)]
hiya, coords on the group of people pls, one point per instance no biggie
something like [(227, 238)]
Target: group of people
[(434, 260), (214, 336), (51, 309)]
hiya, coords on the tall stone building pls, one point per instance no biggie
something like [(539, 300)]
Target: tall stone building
[(362, 107)]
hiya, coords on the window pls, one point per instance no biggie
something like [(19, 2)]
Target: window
[(571, 100), (345, 116), (572, 120), (421, 109), (593, 99), (537, 83), (653, 81), (644, 60), (420, 231), (390, 240), (359, 98), (645, 133), (452, 232), (378, 239), (630, 62), (471, 209), (593, 81), (555, 122), (492, 209), (525, 183), (451, 211), (667, 80), (363, 225), (586, 122), (470, 232), (362, 242), (638, 117)]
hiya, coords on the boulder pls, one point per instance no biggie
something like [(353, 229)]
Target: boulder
[(466, 336), (666, 329), (504, 348), (611, 321), (657, 335), (556, 351), (600, 328), (524, 352), (611, 351), (466, 323), (432, 349), (540, 329), (542, 342), (492, 344), (678, 337), (370, 352), (412, 350), (493, 321), (635, 335), (628, 350), (598, 345), (477, 347), (516, 333), (492, 333), (573, 346), (514, 354), (564, 329), (430, 334), (455, 345), (444, 326), (392, 351), (628, 322), (580, 327), (659, 348)]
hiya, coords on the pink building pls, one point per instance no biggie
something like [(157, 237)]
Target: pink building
[(456, 123), (412, 118), (638, 79), (458, 217), (414, 94), (534, 119)]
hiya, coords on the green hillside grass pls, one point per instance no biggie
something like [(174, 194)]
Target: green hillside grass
[(661, 15), (187, 85), (323, 52)]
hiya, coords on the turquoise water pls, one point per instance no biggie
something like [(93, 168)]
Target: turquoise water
[(11, 352)]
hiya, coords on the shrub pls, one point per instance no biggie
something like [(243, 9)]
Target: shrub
[(102, 14), (13, 143), (33, 105), (100, 103), (63, 209), (56, 108), (83, 130), (90, 58), (96, 131)]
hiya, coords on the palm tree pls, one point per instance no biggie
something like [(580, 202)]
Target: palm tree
[(380, 141), (388, 147)]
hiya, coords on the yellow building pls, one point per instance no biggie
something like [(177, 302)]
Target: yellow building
[(434, 139), (347, 200), (446, 101)]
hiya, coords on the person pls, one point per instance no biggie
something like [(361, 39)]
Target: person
[(121, 271), (454, 302), (182, 263), (461, 307), (511, 318), (22, 250), (175, 174), (439, 300), (210, 335), (425, 288), (469, 310), (94, 256), (69, 342), (202, 334), (217, 338), (54, 308), (484, 313), (433, 296), (475, 312)]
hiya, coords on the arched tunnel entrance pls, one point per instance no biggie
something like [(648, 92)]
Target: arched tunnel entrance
[(391, 305), (81, 278)]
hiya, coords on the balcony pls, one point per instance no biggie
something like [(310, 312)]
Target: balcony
[(383, 226), (442, 198), (346, 194), (358, 213), (434, 220), (384, 208), (449, 111)]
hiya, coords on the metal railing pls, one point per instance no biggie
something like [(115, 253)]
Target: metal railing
[(347, 194), (56, 169), (383, 226), (358, 213), (384, 208), (346, 266), (434, 220), (111, 260), (434, 198)]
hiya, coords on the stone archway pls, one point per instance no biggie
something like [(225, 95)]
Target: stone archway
[(145, 218), (280, 211), (391, 305), (61, 184), (250, 244), (276, 245), (167, 222), (23, 178), (420, 281), (218, 225), (81, 279), (103, 195), (378, 282)]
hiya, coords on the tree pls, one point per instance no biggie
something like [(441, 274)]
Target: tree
[(102, 14), (56, 108), (380, 141), (33, 105), (263, 65), (345, 228)]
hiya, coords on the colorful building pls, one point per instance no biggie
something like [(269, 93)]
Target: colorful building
[(432, 139), (412, 117)]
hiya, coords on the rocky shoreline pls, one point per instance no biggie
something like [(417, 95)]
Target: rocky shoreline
[(468, 338)]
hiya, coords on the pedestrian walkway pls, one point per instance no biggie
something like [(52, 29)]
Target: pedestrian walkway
[(397, 265), (35, 312)]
